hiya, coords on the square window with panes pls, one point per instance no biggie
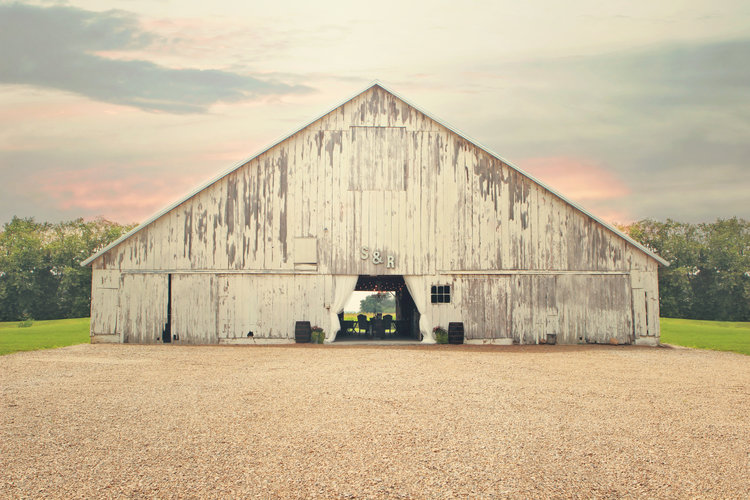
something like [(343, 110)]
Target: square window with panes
[(440, 294)]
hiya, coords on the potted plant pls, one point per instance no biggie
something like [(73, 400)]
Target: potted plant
[(441, 335), (317, 335)]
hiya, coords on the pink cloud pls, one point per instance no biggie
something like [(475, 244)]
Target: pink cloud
[(125, 199), (579, 180), (131, 190), (191, 40), (30, 107), (181, 41), (582, 181)]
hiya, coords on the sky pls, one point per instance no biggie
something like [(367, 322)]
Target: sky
[(633, 109)]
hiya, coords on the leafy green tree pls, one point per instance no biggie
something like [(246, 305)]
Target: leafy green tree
[(709, 272), (24, 269), (40, 272), (378, 303), (680, 244), (723, 279)]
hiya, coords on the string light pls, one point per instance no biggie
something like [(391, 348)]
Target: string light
[(367, 283)]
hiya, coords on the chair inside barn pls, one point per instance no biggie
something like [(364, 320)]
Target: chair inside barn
[(363, 324), (387, 323)]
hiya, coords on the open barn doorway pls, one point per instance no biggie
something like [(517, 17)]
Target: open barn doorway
[(380, 308)]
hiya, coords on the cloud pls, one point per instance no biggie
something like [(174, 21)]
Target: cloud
[(580, 180), (61, 47), (592, 186), (658, 118), (54, 186), (130, 197)]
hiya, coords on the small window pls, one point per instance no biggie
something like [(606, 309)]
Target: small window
[(440, 294)]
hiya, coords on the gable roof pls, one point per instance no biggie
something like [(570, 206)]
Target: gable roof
[(378, 84)]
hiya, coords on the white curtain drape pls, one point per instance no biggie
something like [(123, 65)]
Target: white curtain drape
[(343, 286), (417, 286)]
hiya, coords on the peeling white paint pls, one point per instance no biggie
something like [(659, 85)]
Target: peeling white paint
[(376, 173)]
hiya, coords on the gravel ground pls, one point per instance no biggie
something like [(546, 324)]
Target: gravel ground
[(94, 421)]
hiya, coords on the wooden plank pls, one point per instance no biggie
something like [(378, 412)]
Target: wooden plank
[(194, 308), (142, 308), (416, 251), (104, 311), (496, 308)]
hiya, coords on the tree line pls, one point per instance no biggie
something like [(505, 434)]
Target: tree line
[(380, 302), (709, 272), (40, 272), (41, 276)]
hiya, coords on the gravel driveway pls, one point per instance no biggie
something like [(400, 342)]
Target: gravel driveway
[(95, 421)]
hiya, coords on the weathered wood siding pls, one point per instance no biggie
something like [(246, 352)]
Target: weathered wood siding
[(206, 308), (142, 309), (268, 305), (105, 297), (377, 173), (194, 304), (578, 308)]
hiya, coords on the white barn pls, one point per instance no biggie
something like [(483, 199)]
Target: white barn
[(375, 194)]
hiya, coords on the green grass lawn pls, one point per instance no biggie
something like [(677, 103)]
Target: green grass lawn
[(43, 334), (353, 316), (716, 335)]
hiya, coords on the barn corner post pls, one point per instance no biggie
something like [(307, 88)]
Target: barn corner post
[(105, 288), (645, 296), (374, 187)]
